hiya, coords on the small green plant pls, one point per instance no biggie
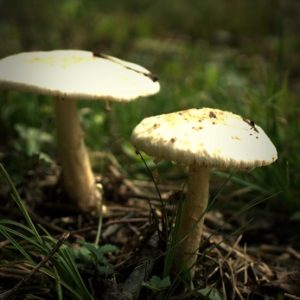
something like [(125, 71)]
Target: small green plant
[(209, 293), (157, 284), (92, 256), (32, 139)]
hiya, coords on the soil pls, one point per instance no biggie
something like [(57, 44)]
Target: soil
[(250, 255)]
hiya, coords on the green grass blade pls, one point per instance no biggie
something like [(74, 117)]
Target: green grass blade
[(58, 285), (62, 282), (17, 224), (30, 240), (5, 232), (72, 269), (19, 202)]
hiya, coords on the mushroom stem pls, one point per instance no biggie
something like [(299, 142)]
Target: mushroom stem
[(192, 217), (78, 178)]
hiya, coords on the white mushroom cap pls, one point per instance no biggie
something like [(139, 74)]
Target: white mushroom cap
[(76, 74), (205, 137)]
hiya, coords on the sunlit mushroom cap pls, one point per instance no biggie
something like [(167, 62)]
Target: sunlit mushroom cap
[(205, 137), (76, 74)]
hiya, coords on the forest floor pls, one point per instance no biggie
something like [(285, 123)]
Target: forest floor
[(245, 253)]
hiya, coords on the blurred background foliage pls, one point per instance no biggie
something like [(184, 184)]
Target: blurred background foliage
[(242, 56)]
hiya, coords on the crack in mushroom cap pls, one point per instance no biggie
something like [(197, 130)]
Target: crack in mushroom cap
[(76, 74), (205, 137)]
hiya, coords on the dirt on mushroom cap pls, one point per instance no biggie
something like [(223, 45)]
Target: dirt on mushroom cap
[(209, 137)]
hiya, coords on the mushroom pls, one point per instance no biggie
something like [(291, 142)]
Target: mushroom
[(201, 139), (69, 75)]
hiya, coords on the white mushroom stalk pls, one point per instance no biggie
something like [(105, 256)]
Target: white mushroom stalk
[(78, 177), (69, 75), (192, 218), (201, 139)]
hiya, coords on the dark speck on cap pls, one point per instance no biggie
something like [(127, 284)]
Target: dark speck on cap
[(212, 115)]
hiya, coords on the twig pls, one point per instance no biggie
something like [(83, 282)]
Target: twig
[(235, 289), (293, 252), (261, 267), (4, 243), (42, 221), (293, 297), (251, 265), (134, 230), (131, 220), (110, 230), (14, 289), (12, 273), (232, 277), (246, 265), (279, 249), (109, 223), (99, 227), (233, 247), (222, 279)]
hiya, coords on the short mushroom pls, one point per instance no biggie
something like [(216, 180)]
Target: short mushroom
[(201, 139), (70, 75)]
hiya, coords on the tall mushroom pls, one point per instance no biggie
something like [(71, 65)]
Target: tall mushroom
[(69, 75), (202, 139)]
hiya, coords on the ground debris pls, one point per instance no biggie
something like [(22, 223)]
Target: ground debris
[(236, 265)]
